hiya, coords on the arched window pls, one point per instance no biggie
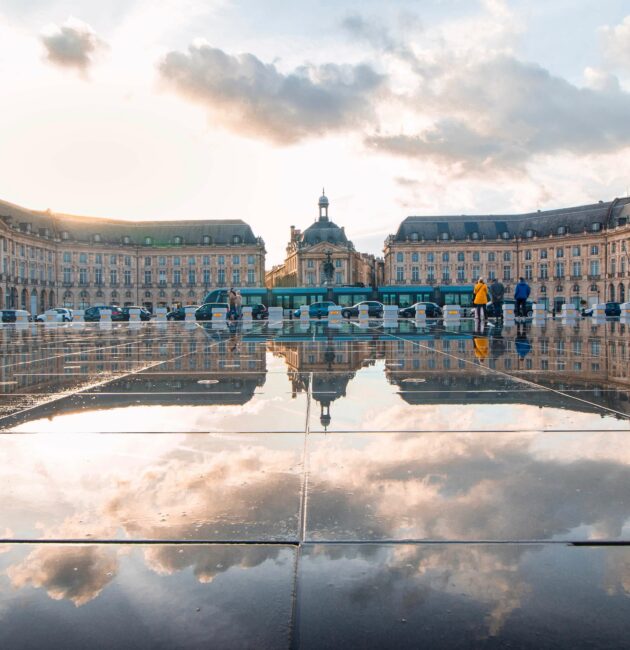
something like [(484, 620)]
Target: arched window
[(178, 240), (529, 233), (611, 293), (596, 226), (474, 235), (413, 236), (207, 240), (444, 236), (505, 234), (562, 230), (126, 240), (96, 238), (622, 293), (236, 239), (148, 241)]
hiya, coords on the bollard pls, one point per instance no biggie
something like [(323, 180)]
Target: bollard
[(105, 315), (190, 314), (508, 312), (275, 314), (134, 315), (51, 316), (421, 313), (390, 312), (334, 315), (21, 316), (219, 318), (247, 313), (451, 313), (599, 311), (161, 314), (625, 310), (305, 314), (78, 316), (364, 312)]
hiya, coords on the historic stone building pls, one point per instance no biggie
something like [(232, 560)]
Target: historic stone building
[(51, 259), (566, 255), (322, 255)]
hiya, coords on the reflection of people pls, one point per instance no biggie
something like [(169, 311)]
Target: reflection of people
[(480, 346), (521, 343), (521, 294), (232, 305), (239, 304), (497, 344), (481, 298), (497, 291)]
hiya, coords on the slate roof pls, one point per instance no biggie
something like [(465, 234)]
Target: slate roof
[(324, 230), (112, 231), (543, 223)]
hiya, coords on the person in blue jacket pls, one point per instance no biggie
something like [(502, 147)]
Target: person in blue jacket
[(521, 294)]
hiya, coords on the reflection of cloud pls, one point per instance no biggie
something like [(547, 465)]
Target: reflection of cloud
[(252, 97), (71, 45), (75, 573)]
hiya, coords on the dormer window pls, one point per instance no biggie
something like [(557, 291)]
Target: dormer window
[(207, 240), (562, 230), (413, 236), (529, 233), (474, 235), (178, 240), (596, 227), (96, 238), (236, 239), (505, 234), (148, 241), (126, 239), (65, 235), (444, 236)]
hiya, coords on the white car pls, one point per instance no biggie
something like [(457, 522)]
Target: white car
[(66, 315)]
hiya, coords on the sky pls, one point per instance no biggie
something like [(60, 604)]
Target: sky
[(218, 109)]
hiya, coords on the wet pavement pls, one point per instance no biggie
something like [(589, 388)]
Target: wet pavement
[(313, 486)]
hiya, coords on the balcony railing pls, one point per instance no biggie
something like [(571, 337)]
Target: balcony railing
[(594, 277), (576, 277)]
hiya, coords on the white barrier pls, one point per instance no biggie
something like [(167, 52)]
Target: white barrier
[(189, 314), (105, 315), (334, 314), (508, 311), (625, 310), (21, 316), (78, 316), (390, 312), (134, 315), (599, 311), (246, 313), (451, 312), (364, 312), (218, 314), (160, 314), (421, 312), (275, 314), (51, 316), (305, 314)]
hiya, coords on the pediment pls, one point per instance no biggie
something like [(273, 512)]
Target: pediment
[(323, 247)]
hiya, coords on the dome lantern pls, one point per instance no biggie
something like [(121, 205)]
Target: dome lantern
[(323, 206)]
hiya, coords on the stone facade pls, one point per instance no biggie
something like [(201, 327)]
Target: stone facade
[(51, 260), (308, 251), (569, 255)]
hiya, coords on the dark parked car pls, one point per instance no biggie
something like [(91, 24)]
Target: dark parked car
[(432, 309), (205, 311), (145, 314), (317, 309), (10, 315), (179, 313), (94, 313), (490, 311), (375, 309), (259, 312), (612, 309)]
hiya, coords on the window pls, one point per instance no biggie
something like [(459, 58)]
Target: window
[(206, 276), (221, 276), (177, 261), (544, 272), (207, 240), (430, 273), (528, 272), (148, 241), (594, 267), (98, 277), (82, 258), (400, 274), (161, 260), (251, 259), (528, 255), (507, 271), (476, 256), (127, 260), (415, 257), (492, 274), (559, 269), (338, 277), (113, 276), (507, 256), (445, 257), (236, 259), (559, 252), (191, 260), (236, 276), (67, 258), (338, 263), (192, 276), (476, 272), (430, 257), (83, 276), (221, 260), (162, 277), (113, 259), (575, 251), (147, 261), (67, 275), (400, 257), (461, 275), (310, 277), (492, 257), (177, 276), (446, 273), (177, 240), (543, 254), (127, 278), (594, 249), (236, 239), (415, 273), (147, 277), (460, 257), (251, 276), (576, 269), (98, 258)]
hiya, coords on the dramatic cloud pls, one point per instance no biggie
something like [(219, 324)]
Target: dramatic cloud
[(501, 112), (72, 45), (616, 44), (255, 98)]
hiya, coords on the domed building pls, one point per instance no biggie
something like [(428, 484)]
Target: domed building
[(322, 255)]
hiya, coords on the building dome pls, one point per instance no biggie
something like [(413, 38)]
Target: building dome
[(324, 231), (323, 200)]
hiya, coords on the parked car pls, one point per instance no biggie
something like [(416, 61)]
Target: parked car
[(433, 310), (612, 309), (259, 312), (66, 315), (145, 314), (94, 313), (10, 315), (490, 310), (205, 311), (316, 309), (179, 313), (375, 309)]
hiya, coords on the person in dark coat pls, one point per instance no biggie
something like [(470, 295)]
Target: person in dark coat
[(521, 294), (497, 292)]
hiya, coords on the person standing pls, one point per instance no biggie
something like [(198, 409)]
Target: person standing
[(480, 293), (521, 294), (497, 291), (232, 304)]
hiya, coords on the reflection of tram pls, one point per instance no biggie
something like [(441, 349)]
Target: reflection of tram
[(403, 296)]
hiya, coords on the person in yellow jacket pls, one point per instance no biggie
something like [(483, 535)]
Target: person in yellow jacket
[(480, 347), (480, 293)]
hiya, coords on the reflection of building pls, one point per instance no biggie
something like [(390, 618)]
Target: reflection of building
[(309, 252), (53, 259), (566, 255), (325, 367)]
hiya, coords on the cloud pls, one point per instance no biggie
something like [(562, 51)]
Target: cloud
[(500, 113), (71, 45), (255, 98), (616, 44)]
